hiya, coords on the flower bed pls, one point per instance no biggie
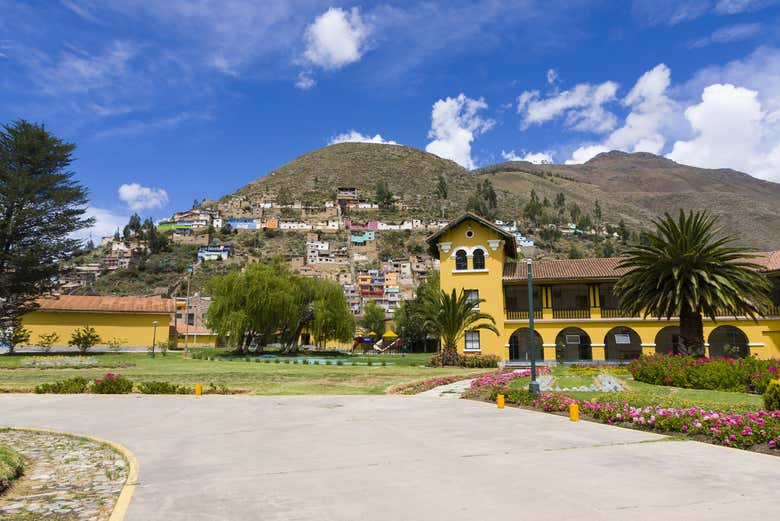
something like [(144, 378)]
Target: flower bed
[(61, 362), (490, 385), (470, 361), (723, 374), (425, 385)]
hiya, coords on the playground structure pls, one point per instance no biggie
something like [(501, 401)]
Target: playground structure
[(388, 343)]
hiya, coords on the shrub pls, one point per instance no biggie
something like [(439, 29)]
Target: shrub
[(162, 388), (11, 466), (772, 396), (46, 341), (470, 361), (114, 344), (112, 384), (84, 338), (75, 385)]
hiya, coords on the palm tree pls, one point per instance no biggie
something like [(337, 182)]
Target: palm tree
[(450, 316), (687, 269)]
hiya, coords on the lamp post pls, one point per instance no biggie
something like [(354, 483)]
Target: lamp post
[(154, 336), (187, 308), (533, 387)]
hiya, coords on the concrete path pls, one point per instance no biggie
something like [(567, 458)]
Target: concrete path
[(383, 458), (453, 390)]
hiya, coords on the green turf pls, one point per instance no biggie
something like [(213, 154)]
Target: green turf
[(254, 377), (10, 465)]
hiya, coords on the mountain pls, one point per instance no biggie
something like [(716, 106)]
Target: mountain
[(409, 173), (639, 186)]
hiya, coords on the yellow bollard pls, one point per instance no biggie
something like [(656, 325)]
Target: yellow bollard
[(574, 412), (198, 389), (500, 401)]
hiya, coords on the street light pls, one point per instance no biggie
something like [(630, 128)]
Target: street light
[(187, 308), (533, 387), (154, 336)]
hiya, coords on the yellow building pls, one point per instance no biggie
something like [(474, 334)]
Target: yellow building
[(129, 319), (576, 315)]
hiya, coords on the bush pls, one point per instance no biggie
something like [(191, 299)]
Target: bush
[(112, 384), (721, 374), (11, 466), (470, 361), (772, 396), (76, 385), (84, 338), (46, 341), (162, 388)]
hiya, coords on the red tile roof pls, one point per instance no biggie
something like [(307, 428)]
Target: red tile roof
[(600, 268), (106, 304), (193, 330), (567, 269)]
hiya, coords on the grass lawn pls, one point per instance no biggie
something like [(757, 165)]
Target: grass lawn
[(642, 394), (10, 465), (254, 377)]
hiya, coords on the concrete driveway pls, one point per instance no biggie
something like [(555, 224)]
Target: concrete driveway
[(377, 458)]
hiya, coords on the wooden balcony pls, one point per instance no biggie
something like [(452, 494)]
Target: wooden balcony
[(523, 315)]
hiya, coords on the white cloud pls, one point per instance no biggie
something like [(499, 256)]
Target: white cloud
[(741, 6), (585, 153), (454, 124), (731, 130), (353, 136), (581, 107), (537, 158), (139, 197), (552, 76), (731, 33), (336, 38), (305, 81), (106, 223)]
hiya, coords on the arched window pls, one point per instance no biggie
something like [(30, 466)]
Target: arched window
[(461, 263), (478, 260)]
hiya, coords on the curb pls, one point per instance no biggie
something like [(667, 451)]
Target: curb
[(123, 501)]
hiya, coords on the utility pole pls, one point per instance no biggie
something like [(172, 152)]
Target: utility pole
[(533, 387), (187, 308)]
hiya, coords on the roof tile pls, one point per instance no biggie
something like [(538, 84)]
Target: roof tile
[(106, 304)]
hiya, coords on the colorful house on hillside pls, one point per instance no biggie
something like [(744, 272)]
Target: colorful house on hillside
[(366, 236), (576, 313), (130, 319)]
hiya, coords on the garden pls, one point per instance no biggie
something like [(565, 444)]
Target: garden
[(735, 403), (221, 371)]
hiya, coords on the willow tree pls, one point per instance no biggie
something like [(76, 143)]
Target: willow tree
[(450, 315), (686, 268)]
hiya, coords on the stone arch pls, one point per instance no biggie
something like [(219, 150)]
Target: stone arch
[(571, 344), (622, 343), (668, 341), (519, 344), (728, 342)]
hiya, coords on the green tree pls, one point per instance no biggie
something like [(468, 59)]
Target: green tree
[(156, 242), (373, 319), (14, 334), (47, 340), (688, 269), (623, 231), (597, 212), (533, 209), (84, 338), (332, 319), (384, 197), (483, 201), (441, 188), (560, 200), (409, 318), (450, 315), (575, 212), (575, 252), (41, 206), (133, 228)]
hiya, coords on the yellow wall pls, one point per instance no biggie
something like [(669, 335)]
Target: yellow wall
[(135, 328), (194, 340), (763, 336), (487, 282)]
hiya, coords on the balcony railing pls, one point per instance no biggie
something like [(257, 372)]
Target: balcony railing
[(523, 315), (570, 313), (615, 313), (773, 311)]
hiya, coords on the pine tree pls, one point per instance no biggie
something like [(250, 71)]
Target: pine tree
[(41, 206)]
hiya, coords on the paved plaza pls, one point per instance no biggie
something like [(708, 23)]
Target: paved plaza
[(377, 458)]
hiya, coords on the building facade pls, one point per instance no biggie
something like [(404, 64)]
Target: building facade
[(575, 310)]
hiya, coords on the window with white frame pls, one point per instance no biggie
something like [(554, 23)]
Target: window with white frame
[(472, 296), (472, 340)]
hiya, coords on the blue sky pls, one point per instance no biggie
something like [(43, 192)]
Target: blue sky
[(176, 100)]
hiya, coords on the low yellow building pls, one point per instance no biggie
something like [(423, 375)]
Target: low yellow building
[(128, 319), (576, 315)]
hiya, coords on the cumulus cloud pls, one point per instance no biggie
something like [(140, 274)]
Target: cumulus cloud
[(586, 153), (741, 6), (139, 197), (353, 136), (336, 38), (552, 76), (582, 107), (106, 223), (455, 123), (537, 158), (731, 130), (305, 81)]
